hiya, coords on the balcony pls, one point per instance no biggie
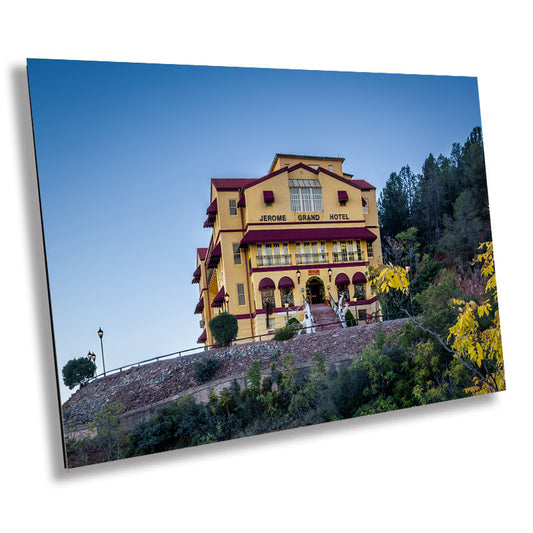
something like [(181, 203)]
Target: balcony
[(274, 260), (312, 258), (345, 257)]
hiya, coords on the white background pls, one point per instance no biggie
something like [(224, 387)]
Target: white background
[(462, 466)]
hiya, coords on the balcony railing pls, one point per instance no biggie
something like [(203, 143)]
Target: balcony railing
[(274, 260), (345, 256), (312, 258)]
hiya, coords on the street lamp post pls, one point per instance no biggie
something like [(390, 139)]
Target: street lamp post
[(286, 304), (329, 273), (226, 298), (92, 357), (101, 334)]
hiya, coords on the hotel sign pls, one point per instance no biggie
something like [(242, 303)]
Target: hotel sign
[(303, 217)]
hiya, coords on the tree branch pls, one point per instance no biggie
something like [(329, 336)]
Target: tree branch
[(452, 351)]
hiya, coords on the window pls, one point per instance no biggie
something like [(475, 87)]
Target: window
[(236, 254), (365, 206), (240, 294), (359, 252), (306, 195), (308, 253), (362, 314), (233, 207), (331, 168), (343, 251), (360, 291), (287, 295), (342, 290), (369, 250), (271, 254)]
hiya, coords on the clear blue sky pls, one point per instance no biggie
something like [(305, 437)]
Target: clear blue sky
[(125, 154)]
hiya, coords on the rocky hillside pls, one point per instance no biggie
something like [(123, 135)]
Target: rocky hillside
[(154, 382)]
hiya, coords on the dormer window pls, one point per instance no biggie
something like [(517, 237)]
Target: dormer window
[(306, 195)]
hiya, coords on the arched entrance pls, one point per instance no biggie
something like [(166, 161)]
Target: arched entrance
[(315, 290)]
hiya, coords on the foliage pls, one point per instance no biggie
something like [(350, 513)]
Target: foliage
[(463, 231), (224, 328), (476, 335), (205, 369), (107, 425), (350, 319), (78, 372), (287, 332)]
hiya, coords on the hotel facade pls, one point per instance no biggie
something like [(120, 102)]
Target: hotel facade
[(305, 230)]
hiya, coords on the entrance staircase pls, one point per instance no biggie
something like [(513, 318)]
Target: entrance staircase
[(324, 314)]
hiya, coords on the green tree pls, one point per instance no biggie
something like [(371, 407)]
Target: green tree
[(393, 207), (224, 328), (78, 372), (462, 232)]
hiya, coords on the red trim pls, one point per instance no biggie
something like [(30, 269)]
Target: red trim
[(306, 222), (317, 234), (364, 302), (307, 267)]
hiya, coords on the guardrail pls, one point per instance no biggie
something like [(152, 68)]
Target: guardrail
[(263, 336)]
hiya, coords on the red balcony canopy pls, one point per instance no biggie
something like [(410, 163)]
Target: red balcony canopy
[(212, 209), (199, 307), (358, 277), (306, 234), (202, 338), (218, 300), (197, 274), (285, 282), (342, 278), (214, 256), (266, 283)]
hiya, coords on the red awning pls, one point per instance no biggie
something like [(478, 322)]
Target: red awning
[(306, 234), (199, 307), (197, 274), (358, 277), (285, 282), (266, 283), (214, 256), (210, 222), (212, 209), (343, 196), (342, 278), (218, 300), (268, 196), (241, 202), (202, 338)]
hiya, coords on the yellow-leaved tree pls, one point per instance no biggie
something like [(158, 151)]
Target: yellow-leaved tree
[(475, 338)]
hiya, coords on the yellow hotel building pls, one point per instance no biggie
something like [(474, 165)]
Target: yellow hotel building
[(305, 230)]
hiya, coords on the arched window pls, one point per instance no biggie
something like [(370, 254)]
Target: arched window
[(342, 281), (359, 282), (286, 286), (266, 287)]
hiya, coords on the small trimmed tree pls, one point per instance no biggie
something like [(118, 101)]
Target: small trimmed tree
[(224, 328), (78, 372)]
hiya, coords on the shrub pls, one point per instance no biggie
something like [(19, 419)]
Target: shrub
[(294, 321), (285, 333), (224, 328), (350, 319), (205, 369), (78, 372)]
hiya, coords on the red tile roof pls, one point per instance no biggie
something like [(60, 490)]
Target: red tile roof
[(362, 184), (230, 184)]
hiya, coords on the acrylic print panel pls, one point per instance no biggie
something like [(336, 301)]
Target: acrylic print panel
[(236, 251)]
